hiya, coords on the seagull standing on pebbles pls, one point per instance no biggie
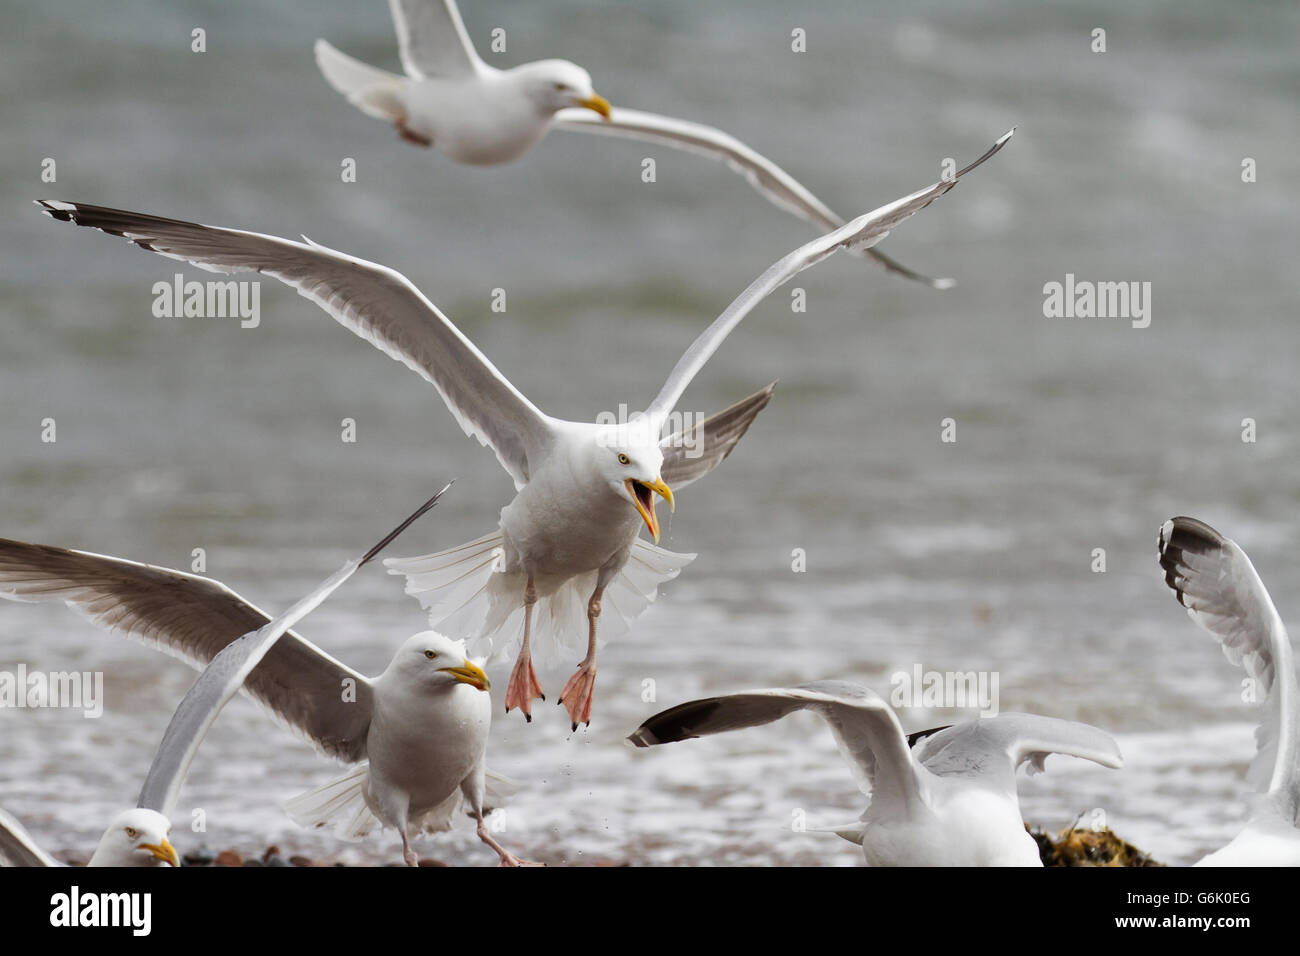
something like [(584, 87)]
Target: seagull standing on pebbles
[(570, 536), (418, 731)]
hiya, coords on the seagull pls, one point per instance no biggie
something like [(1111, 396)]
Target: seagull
[(938, 798), (1213, 578), (136, 837), (477, 114), (569, 538), (418, 731)]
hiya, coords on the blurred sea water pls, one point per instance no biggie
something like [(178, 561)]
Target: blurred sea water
[(1072, 434)]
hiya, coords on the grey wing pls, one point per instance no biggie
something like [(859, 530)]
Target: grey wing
[(376, 303), (861, 233), (194, 618), (865, 728), (1214, 579), (432, 39), (773, 182), (994, 747), (693, 453), (17, 848)]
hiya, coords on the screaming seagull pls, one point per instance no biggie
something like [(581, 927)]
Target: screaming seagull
[(418, 731), (938, 798), (477, 114), (1213, 578), (583, 490)]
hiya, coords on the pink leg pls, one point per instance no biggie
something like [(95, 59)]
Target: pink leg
[(579, 691), (410, 135), (523, 688), (507, 858), (408, 854)]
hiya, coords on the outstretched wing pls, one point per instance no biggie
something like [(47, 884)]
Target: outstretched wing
[(694, 452), (865, 728), (17, 848), (225, 675), (773, 182), (861, 233), (1213, 578), (373, 301), (992, 748), (432, 40), (194, 618)]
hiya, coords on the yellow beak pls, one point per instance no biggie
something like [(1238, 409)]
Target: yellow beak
[(470, 673), (645, 503), (597, 103), (163, 851)]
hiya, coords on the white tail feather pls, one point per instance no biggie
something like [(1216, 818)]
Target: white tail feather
[(340, 803), (375, 92), (468, 595)]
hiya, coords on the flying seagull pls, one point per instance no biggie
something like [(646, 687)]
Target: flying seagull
[(475, 113), (418, 731), (570, 536), (940, 798), (1213, 578)]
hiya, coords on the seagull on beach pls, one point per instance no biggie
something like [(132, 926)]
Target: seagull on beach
[(136, 837), (938, 798), (477, 114), (418, 732), (1213, 578), (569, 540)]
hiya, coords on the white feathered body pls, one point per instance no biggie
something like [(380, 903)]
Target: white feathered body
[(567, 528), (960, 824), (483, 121), (422, 747)]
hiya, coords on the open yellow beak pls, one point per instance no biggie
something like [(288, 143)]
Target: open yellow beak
[(645, 502), (597, 103), (469, 673), (163, 851)]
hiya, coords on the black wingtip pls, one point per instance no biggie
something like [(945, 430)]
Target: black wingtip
[(415, 515)]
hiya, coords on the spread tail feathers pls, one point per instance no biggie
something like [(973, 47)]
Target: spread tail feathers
[(468, 594), (375, 92), (341, 803)]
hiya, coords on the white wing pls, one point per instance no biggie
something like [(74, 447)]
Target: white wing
[(861, 233), (780, 188), (992, 748), (1212, 577), (865, 728), (432, 39), (17, 848), (225, 675), (373, 301)]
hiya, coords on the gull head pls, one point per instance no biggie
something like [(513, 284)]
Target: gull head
[(628, 459), (435, 661), (136, 838), (554, 85)]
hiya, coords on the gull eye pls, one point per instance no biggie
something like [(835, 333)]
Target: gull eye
[(561, 87), (623, 459), (132, 833), (431, 655)]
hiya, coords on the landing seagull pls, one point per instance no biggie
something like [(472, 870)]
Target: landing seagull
[(950, 801), (1213, 578), (475, 113), (570, 536), (418, 731)]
